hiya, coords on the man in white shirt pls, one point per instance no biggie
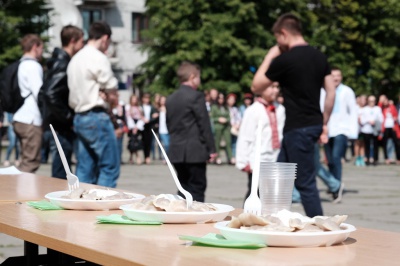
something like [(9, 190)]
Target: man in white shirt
[(263, 108), (89, 77), (27, 120), (342, 126)]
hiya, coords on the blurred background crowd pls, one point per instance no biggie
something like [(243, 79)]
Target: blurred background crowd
[(383, 138), (228, 40)]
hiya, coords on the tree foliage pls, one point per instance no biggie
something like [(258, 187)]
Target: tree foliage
[(227, 38), (223, 37), (17, 18), (362, 38)]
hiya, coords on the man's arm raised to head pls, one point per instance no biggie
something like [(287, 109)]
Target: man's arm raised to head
[(260, 80)]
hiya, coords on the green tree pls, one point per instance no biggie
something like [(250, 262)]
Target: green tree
[(361, 37), (17, 18), (227, 37), (223, 37)]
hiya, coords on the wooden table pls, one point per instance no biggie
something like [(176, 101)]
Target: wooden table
[(29, 187), (76, 233)]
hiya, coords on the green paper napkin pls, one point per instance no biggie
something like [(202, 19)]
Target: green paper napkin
[(121, 219), (44, 205), (216, 240)]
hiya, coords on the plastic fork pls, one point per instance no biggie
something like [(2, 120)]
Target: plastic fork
[(73, 181), (188, 196), (253, 202)]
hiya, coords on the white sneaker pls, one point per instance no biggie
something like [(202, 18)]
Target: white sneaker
[(337, 196), (6, 163), (17, 163)]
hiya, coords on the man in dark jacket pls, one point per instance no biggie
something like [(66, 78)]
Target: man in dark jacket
[(53, 97), (191, 139)]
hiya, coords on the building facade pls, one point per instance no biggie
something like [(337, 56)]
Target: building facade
[(127, 20)]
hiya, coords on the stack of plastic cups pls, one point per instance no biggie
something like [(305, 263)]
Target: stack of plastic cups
[(276, 186)]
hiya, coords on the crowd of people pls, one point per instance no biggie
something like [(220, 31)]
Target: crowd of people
[(79, 98)]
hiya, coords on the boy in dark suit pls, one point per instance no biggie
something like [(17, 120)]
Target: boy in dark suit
[(191, 139)]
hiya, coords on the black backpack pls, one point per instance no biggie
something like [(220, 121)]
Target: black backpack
[(10, 96)]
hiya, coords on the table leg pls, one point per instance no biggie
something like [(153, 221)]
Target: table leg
[(31, 253), (32, 258), (59, 258)]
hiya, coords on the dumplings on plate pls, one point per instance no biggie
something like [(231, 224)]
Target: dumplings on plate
[(97, 194), (286, 221), (170, 203)]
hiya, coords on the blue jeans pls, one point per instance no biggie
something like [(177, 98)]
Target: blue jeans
[(329, 180), (233, 144), (67, 143), (298, 146), (97, 156), (12, 139), (120, 142), (335, 150), (45, 150), (164, 138)]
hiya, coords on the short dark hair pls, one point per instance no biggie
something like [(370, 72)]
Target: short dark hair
[(146, 95), (29, 40), (185, 69), (335, 68), (99, 29), (70, 33), (289, 22)]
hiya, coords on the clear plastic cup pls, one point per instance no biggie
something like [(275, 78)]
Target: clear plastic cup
[(276, 186)]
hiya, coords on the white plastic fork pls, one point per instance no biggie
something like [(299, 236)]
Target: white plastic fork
[(188, 196), (73, 180), (253, 202)]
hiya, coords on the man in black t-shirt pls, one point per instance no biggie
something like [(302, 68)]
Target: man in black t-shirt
[(301, 71)]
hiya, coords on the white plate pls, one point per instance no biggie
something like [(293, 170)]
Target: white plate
[(287, 239), (178, 217), (84, 204)]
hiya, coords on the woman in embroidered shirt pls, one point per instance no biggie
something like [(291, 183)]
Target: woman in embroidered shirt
[(222, 126)]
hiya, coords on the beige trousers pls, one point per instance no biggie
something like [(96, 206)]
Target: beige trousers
[(30, 137)]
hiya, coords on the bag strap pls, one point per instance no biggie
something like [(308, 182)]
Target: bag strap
[(30, 92)]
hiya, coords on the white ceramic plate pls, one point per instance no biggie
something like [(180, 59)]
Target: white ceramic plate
[(178, 217), (287, 239), (84, 204)]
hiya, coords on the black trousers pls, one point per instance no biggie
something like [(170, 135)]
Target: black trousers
[(193, 179), (147, 137), (389, 133), (370, 139)]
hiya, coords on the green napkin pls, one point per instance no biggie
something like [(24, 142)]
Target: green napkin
[(121, 219), (44, 205), (216, 240)]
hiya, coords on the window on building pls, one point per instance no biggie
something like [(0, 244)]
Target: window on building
[(89, 16), (139, 22)]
